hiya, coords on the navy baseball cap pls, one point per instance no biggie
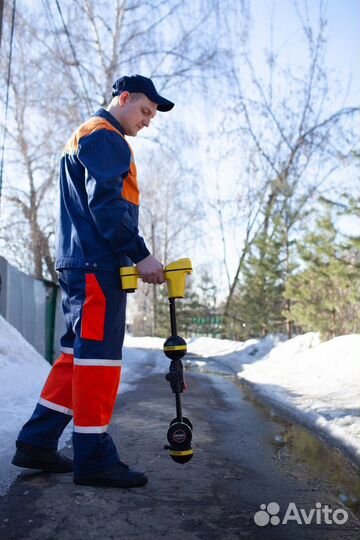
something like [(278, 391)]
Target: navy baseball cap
[(138, 83)]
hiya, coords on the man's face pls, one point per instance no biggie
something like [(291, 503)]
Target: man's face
[(137, 111)]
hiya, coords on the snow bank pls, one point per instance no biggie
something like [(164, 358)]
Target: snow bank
[(236, 352), (143, 342), (320, 382), (23, 372)]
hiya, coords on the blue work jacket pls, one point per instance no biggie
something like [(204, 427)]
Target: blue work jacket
[(99, 199)]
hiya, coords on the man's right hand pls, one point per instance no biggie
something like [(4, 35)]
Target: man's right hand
[(151, 270)]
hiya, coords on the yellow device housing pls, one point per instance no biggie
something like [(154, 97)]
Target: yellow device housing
[(175, 275), (129, 278)]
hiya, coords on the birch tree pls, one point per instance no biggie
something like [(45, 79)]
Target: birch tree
[(293, 134)]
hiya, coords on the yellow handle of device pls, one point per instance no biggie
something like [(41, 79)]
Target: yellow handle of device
[(175, 275)]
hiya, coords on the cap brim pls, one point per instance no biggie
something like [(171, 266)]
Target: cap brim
[(164, 105)]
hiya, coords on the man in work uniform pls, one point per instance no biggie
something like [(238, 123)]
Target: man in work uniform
[(97, 234)]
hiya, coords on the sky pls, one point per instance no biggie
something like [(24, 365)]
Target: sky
[(344, 40), (343, 31)]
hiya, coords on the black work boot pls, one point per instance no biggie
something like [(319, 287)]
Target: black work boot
[(34, 457), (119, 475)]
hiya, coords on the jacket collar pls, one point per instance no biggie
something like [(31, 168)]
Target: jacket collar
[(103, 113)]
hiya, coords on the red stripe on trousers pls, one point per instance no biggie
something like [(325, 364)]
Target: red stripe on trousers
[(94, 310), (94, 394), (58, 386)]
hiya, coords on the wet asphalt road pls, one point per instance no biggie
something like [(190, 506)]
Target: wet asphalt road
[(245, 456)]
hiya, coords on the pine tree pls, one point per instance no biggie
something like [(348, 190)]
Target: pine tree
[(259, 299), (325, 292)]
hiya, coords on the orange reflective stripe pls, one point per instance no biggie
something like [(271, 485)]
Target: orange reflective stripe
[(58, 386), (131, 190), (94, 310), (94, 394), (87, 128)]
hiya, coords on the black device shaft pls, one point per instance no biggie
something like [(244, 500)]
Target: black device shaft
[(172, 316), (174, 333), (179, 415)]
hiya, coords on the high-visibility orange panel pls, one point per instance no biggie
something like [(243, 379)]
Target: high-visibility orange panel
[(131, 190), (87, 128), (94, 394), (94, 310), (58, 386)]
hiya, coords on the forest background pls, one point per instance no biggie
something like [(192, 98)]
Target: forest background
[(254, 175)]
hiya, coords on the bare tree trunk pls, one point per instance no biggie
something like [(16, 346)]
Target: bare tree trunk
[(1, 18)]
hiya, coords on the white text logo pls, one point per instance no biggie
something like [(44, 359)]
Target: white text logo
[(321, 514)]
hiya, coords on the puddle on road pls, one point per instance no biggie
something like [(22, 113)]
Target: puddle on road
[(295, 443), (302, 446)]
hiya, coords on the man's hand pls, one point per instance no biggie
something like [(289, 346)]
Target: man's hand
[(151, 270)]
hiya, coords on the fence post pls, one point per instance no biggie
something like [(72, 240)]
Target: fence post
[(50, 315)]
